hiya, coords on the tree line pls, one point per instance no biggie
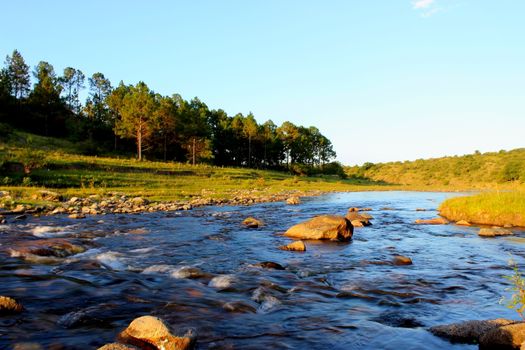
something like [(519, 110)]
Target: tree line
[(133, 118)]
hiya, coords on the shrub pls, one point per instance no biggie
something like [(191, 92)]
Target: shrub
[(517, 299)]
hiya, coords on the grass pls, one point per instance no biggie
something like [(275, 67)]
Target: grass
[(71, 174), (493, 208), (492, 170)]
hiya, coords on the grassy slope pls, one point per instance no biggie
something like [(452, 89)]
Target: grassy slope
[(497, 208), (76, 175), (476, 171)]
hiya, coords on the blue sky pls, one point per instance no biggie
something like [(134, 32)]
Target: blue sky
[(383, 79)]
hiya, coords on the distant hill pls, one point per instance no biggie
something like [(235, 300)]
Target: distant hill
[(472, 170)]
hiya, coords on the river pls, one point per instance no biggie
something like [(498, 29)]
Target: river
[(199, 270)]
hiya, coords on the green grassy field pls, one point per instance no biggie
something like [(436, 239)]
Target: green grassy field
[(57, 166), (493, 208)]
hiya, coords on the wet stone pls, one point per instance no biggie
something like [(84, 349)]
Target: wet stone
[(9, 306)]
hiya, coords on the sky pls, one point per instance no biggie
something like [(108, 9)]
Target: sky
[(384, 80)]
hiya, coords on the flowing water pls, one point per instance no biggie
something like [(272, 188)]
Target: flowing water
[(199, 270)]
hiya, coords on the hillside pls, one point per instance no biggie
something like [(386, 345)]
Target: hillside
[(473, 171)]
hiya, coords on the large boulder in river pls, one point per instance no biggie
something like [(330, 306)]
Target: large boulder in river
[(147, 331), (330, 227)]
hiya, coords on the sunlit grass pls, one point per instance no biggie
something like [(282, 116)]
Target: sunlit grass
[(493, 208)]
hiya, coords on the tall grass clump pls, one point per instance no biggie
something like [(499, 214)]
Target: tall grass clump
[(491, 208)]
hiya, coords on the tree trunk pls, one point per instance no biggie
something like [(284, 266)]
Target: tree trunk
[(193, 157), (139, 144), (249, 151), (165, 140)]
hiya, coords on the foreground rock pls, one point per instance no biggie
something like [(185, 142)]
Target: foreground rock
[(297, 246), (329, 227), (9, 306), (494, 232), (504, 337), (469, 331), (147, 331), (252, 222), (117, 346), (435, 221)]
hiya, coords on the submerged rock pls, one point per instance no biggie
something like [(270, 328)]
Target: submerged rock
[(252, 222), (399, 260), (293, 200), (494, 232), (469, 331), (271, 265), (148, 330), (9, 306), (297, 246), (463, 223), (435, 221), (51, 247), (329, 227)]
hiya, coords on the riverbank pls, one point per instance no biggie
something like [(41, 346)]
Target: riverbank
[(494, 208)]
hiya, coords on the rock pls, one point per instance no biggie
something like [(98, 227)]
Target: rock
[(58, 210), (117, 346), (148, 330), (19, 209), (77, 216), (503, 337), (435, 221), (73, 200), (331, 227), (271, 265), (469, 331), (297, 246), (9, 306), (138, 201), (4, 194), (293, 200), (51, 247), (357, 223), (238, 307), (27, 346), (463, 223), (252, 222), (20, 217), (364, 218), (47, 196), (494, 232), (399, 260), (353, 210)]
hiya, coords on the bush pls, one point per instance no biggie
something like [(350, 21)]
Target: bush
[(517, 299)]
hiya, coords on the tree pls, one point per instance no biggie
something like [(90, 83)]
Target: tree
[(166, 119), (18, 75), (250, 129), (196, 130), (46, 92), (72, 82), (96, 109), (137, 115), (115, 101)]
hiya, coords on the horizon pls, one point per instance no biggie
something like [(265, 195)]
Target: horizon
[(385, 82)]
